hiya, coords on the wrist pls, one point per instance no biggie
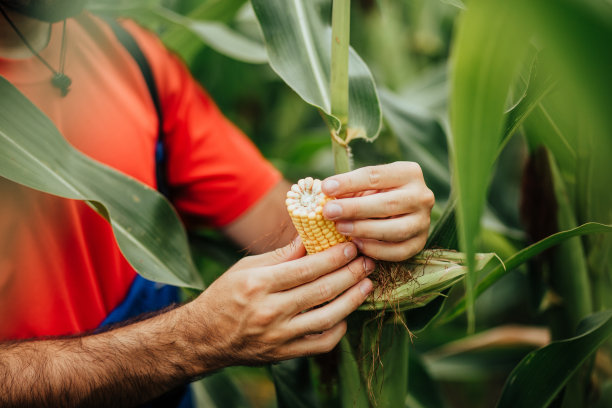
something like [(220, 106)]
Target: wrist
[(197, 341)]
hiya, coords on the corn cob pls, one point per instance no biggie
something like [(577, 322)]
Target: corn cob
[(305, 203)]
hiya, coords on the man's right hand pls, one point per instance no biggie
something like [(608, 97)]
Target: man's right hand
[(264, 308)]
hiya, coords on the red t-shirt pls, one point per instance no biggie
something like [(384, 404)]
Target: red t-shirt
[(61, 271)]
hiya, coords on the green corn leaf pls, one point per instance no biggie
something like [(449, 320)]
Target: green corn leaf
[(217, 35), (229, 42), (352, 390), (497, 272), (482, 74), (298, 43), (421, 137), (487, 51), (444, 232), (542, 374), (146, 227), (537, 89), (186, 35), (389, 376)]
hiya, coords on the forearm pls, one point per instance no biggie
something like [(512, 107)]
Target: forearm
[(122, 367), (266, 225)]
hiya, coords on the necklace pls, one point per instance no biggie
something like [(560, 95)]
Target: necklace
[(59, 80)]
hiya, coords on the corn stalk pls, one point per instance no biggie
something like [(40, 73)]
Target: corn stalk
[(341, 32)]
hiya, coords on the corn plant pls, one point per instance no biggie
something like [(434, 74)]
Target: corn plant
[(532, 74)]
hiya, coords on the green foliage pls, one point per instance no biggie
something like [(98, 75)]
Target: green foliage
[(433, 271), (488, 50), (470, 91), (497, 272), (542, 373), (186, 34), (217, 391), (299, 48), (145, 225), (292, 380)]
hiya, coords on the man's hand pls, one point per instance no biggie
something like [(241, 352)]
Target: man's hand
[(266, 308), (385, 209), (280, 305)]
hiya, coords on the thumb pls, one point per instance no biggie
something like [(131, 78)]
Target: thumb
[(289, 252)]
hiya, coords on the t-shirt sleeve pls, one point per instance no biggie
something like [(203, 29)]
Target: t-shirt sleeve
[(214, 171)]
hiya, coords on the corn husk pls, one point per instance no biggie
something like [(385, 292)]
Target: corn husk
[(432, 271)]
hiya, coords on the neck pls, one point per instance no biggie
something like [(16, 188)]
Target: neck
[(35, 31)]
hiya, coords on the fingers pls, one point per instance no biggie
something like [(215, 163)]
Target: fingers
[(384, 204), (371, 178), (327, 287), (396, 229), (391, 251), (315, 343), (325, 317), (307, 269)]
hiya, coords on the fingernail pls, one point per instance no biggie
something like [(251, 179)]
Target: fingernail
[(350, 251), (332, 211), (330, 186), (369, 265), (344, 227), (365, 287), (358, 242)]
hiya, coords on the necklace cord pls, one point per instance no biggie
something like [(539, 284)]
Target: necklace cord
[(59, 80), (25, 41), (63, 49)]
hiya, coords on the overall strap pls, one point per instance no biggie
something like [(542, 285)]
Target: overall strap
[(130, 44)]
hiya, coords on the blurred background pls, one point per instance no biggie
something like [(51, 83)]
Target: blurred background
[(407, 46)]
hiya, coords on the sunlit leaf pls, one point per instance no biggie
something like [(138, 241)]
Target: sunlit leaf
[(147, 229), (487, 51), (298, 42)]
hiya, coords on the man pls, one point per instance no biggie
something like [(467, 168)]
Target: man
[(61, 273)]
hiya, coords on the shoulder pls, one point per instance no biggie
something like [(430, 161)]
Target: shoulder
[(162, 61)]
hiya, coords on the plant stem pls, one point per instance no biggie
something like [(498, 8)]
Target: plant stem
[(341, 23), (342, 158)]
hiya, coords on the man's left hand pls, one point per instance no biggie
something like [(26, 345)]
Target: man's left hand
[(385, 209)]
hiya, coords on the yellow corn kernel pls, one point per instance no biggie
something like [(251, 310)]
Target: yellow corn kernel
[(305, 203)]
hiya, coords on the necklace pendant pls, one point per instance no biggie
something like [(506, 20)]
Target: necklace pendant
[(61, 82)]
